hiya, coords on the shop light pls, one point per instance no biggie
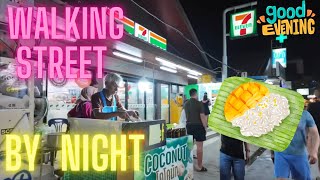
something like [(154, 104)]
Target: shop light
[(175, 66), (183, 68), (168, 69), (143, 84), (193, 77), (166, 63), (196, 73), (126, 56), (193, 72)]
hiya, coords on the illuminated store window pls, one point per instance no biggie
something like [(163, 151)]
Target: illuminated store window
[(136, 99), (165, 102)]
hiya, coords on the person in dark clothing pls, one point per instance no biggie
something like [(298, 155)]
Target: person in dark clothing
[(106, 104), (196, 124), (314, 110), (206, 103), (232, 158)]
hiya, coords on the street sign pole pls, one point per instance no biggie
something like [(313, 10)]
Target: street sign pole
[(224, 23)]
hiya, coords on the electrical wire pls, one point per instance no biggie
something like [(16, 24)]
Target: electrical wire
[(12, 50), (184, 37)]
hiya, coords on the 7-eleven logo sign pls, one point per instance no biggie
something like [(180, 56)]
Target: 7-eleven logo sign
[(243, 24), (141, 32)]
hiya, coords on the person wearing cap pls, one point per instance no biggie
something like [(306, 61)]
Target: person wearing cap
[(106, 103)]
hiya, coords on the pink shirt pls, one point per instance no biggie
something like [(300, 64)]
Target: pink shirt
[(81, 110)]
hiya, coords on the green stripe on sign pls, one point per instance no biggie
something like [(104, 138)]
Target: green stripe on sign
[(128, 29), (158, 43)]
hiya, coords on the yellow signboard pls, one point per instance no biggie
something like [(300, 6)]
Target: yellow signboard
[(206, 78)]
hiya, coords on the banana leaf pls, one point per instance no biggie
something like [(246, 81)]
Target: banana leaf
[(281, 136)]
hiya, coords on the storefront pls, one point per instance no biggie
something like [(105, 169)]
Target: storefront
[(142, 54), (154, 78), (151, 98)]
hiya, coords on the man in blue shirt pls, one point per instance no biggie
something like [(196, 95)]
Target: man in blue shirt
[(295, 159)]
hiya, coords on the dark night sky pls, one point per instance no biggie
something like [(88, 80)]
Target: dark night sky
[(252, 53), (207, 23)]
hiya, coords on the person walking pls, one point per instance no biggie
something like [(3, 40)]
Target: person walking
[(301, 152), (196, 125), (206, 103), (314, 109), (232, 158)]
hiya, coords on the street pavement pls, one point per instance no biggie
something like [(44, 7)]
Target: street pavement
[(261, 168)]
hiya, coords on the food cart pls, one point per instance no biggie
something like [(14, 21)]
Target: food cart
[(160, 157)]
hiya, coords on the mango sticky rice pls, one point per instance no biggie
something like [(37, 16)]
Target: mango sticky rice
[(255, 110)]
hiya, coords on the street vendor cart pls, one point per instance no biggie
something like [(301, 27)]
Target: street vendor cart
[(160, 157)]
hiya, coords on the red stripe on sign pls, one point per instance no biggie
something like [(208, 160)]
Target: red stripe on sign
[(244, 21)]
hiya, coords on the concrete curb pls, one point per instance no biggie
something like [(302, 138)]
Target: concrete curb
[(254, 156), (212, 136)]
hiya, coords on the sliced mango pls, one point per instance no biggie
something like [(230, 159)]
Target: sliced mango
[(232, 99), (246, 96), (243, 98), (238, 104), (253, 88), (245, 86), (264, 90), (238, 92)]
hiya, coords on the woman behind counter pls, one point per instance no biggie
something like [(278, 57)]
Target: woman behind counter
[(106, 103), (83, 109)]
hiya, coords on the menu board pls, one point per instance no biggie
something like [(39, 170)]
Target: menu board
[(154, 134)]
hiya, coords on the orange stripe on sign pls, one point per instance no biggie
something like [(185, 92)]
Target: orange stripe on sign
[(159, 38), (240, 17), (128, 21), (124, 20), (141, 28)]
